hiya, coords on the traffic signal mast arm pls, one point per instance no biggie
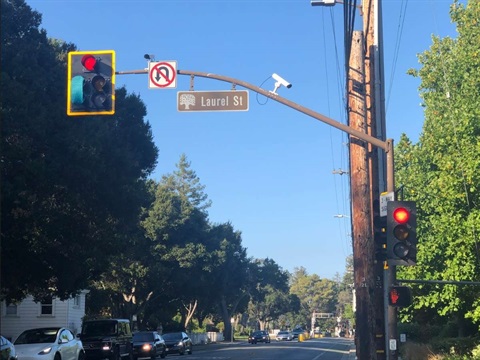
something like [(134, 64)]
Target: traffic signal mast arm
[(385, 145)]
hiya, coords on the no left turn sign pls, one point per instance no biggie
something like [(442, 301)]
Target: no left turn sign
[(162, 74)]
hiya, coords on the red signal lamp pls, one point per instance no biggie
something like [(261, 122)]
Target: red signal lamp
[(401, 215), (399, 296), (91, 83), (89, 62)]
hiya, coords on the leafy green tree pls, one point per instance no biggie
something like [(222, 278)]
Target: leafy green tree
[(442, 174), (344, 306), (269, 291), (155, 278), (228, 279), (315, 294), (72, 190)]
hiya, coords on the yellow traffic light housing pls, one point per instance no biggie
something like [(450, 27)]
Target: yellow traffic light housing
[(91, 83)]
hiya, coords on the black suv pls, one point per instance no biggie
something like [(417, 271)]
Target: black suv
[(109, 338)]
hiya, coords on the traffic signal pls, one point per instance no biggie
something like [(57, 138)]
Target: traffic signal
[(91, 83), (401, 233), (399, 296)]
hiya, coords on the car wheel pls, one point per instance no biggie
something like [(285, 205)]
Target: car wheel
[(154, 354), (182, 351), (115, 355), (81, 355), (57, 357), (163, 353)]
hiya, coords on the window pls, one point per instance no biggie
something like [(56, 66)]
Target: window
[(76, 301), (46, 306), (11, 310)]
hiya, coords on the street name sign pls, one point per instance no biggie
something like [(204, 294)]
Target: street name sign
[(230, 100)]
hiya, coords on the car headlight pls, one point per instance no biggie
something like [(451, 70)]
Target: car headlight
[(106, 346), (147, 347), (45, 351)]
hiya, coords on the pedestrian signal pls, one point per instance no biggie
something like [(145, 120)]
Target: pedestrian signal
[(400, 296)]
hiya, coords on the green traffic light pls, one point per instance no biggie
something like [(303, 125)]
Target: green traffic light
[(76, 96)]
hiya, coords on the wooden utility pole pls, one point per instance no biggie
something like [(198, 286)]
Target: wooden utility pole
[(363, 246)]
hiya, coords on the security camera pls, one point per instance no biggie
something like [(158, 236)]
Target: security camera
[(282, 81), (322, 2), (279, 81)]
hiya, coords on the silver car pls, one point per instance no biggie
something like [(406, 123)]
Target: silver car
[(284, 336)]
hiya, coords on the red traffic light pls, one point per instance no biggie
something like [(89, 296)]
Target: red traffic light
[(401, 215), (89, 62), (91, 83)]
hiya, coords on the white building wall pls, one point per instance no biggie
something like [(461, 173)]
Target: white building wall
[(65, 314)]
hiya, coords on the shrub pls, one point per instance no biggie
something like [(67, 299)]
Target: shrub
[(454, 346), (416, 351)]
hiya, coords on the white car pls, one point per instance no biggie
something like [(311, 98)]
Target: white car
[(284, 335), (53, 343)]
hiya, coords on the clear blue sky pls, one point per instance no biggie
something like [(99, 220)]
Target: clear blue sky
[(269, 170)]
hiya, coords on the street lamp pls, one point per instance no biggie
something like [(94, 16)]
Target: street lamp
[(232, 320)]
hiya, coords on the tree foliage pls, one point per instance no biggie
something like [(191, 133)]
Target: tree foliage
[(316, 294), (72, 190), (269, 292), (80, 212), (441, 172)]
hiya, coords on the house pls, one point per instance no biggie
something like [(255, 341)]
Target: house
[(14, 319)]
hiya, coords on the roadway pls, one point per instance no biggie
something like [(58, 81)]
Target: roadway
[(312, 349)]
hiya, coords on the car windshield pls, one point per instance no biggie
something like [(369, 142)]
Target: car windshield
[(37, 336), (172, 336), (283, 333), (143, 337), (96, 328)]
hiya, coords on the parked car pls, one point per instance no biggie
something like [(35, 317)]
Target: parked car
[(7, 349), (107, 338), (296, 332), (284, 336), (51, 343), (178, 342), (259, 336), (148, 344)]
